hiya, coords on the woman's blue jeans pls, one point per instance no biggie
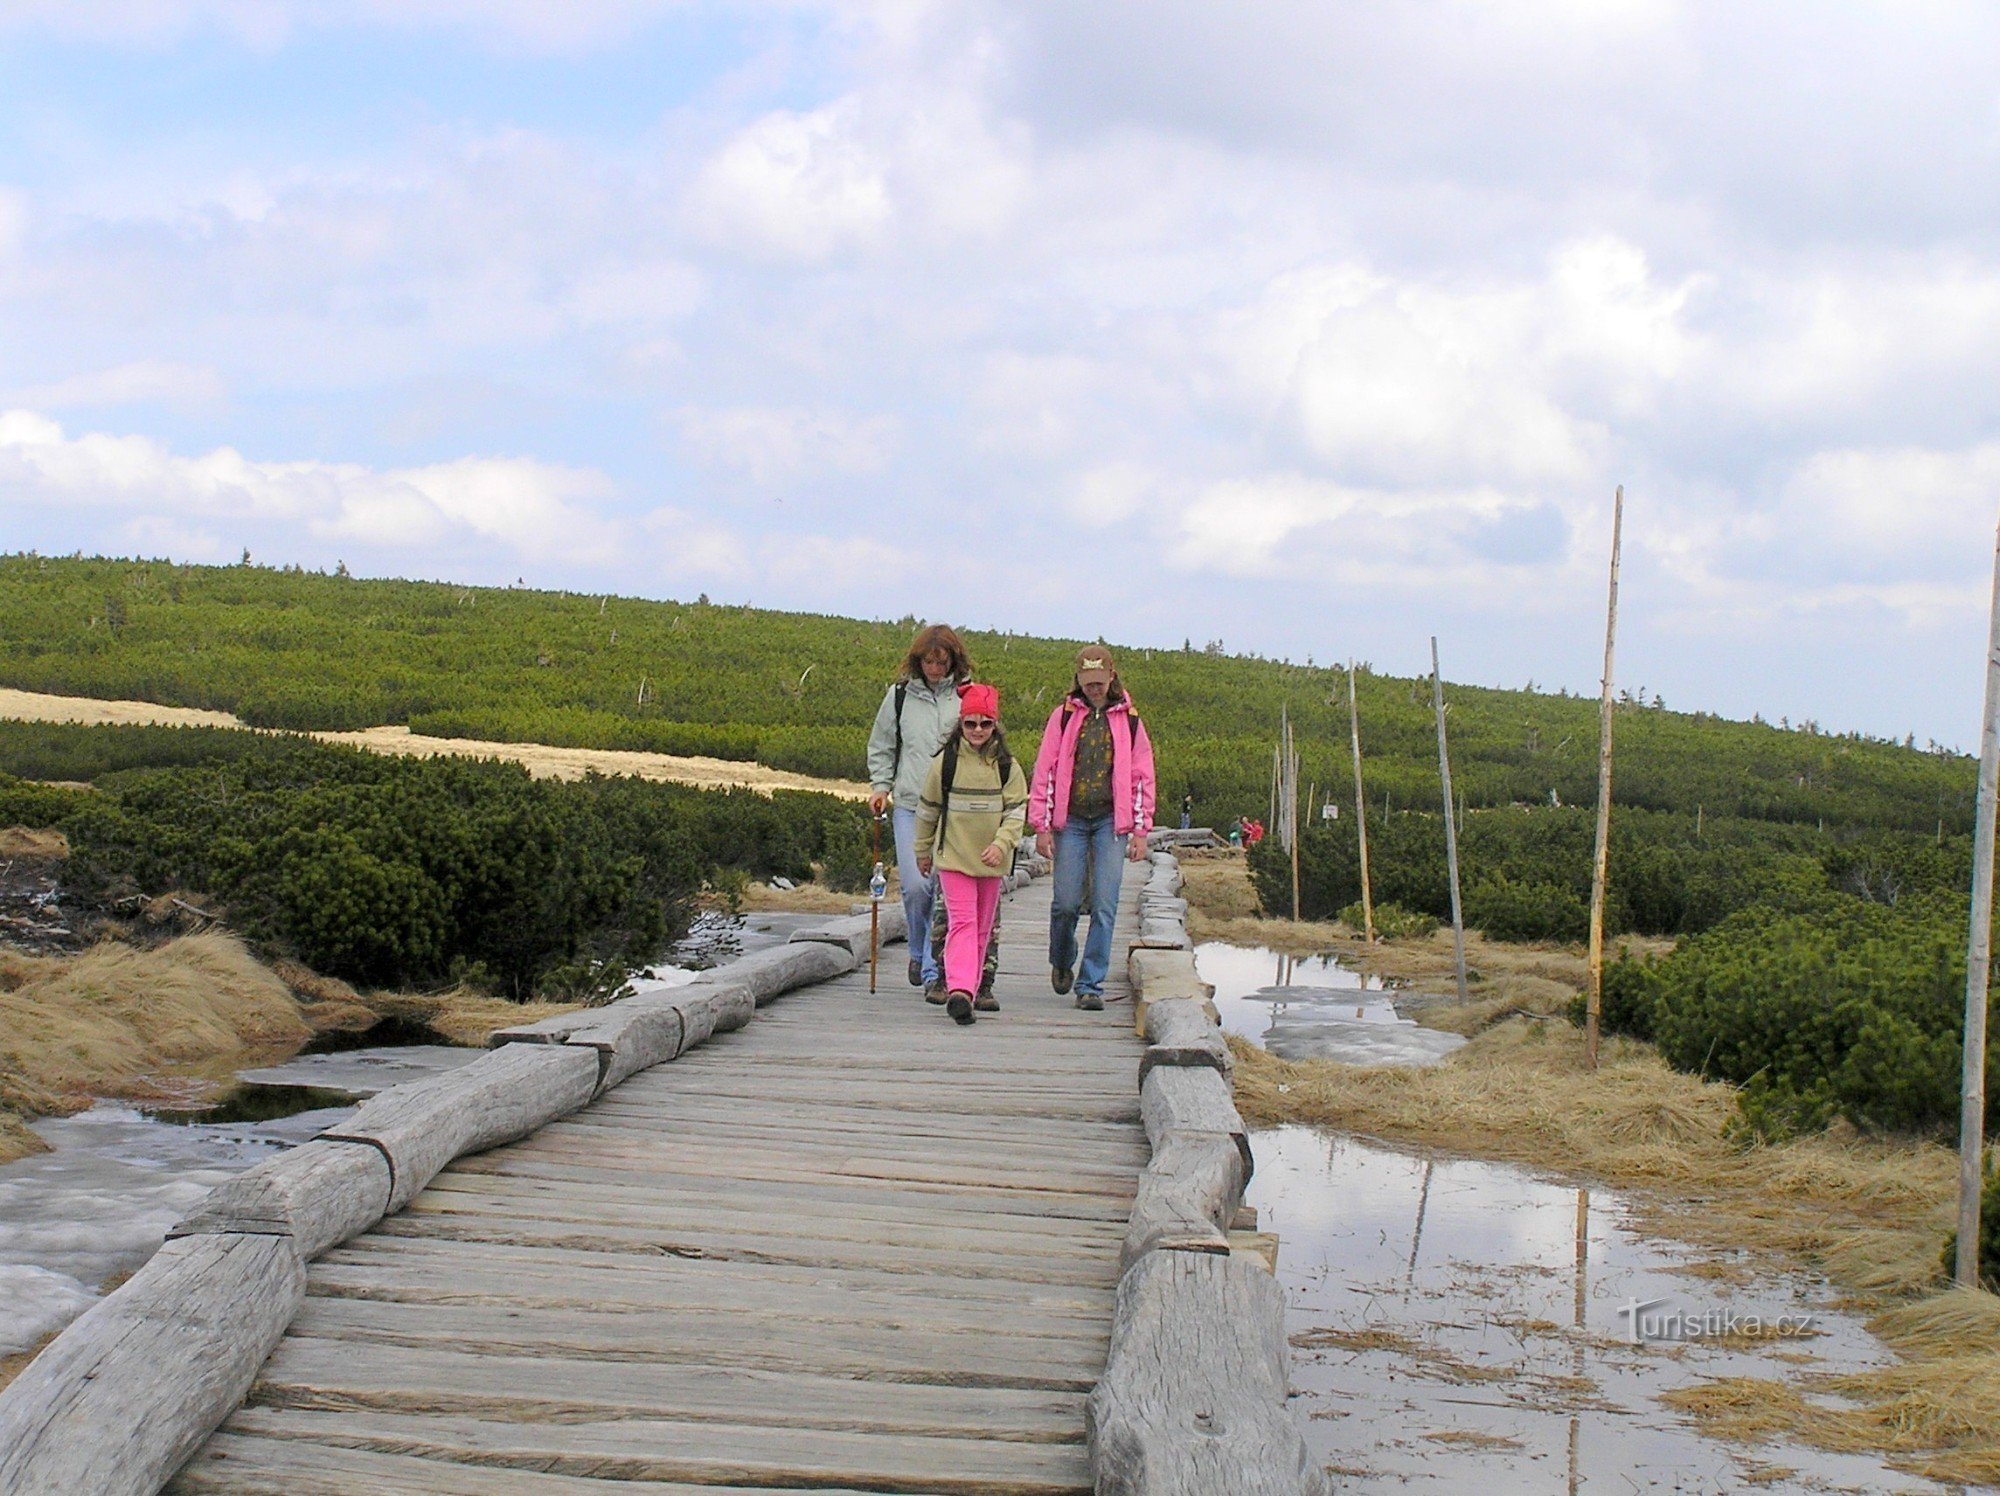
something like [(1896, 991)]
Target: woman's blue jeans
[(1086, 845), (919, 892)]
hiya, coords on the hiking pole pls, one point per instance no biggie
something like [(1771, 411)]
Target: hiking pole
[(878, 885)]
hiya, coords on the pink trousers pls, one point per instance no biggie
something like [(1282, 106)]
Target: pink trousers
[(971, 905)]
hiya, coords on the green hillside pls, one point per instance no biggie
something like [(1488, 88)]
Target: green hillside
[(794, 690)]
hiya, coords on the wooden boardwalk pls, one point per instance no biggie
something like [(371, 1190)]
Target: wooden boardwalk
[(850, 1247)]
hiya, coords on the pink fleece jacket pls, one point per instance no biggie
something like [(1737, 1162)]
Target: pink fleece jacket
[(1131, 768)]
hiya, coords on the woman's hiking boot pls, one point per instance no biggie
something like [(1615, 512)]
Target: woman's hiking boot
[(916, 972), (1060, 977), (1090, 1002), (959, 1005), (986, 1002), (934, 990)]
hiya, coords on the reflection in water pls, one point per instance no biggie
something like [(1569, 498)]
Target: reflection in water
[(1314, 1008), (1460, 1325)]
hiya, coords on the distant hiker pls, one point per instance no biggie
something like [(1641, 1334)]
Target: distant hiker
[(916, 716), (1187, 811), (969, 820), (1090, 804)]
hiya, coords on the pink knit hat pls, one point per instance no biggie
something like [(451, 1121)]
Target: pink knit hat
[(979, 700)]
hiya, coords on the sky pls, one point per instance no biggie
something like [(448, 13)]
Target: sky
[(1311, 326)]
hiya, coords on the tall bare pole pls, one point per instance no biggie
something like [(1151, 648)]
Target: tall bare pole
[(1292, 810), (1601, 859), (1450, 826), (1360, 806), (1978, 965)]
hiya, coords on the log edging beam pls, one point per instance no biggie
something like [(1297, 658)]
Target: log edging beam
[(1193, 1396)]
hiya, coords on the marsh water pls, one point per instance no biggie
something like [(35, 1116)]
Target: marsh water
[(116, 1177), (1460, 1325)]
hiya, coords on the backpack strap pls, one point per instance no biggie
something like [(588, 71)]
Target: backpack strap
[(902, 691), (947, 771)]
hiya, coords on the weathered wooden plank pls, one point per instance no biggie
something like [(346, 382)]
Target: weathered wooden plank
[(319, 1194), (123, 1395), (660, 1184), (476, 1283), (1192, 1402), (743, 1244), (575, 1199), (256, 1465), (1186, 1196), (661, 1449), (768, 973), (713, 1281), (504, 1094), (691, 1335), (326, 1375)]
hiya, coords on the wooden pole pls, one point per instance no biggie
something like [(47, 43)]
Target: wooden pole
[(1450, 829), (1360, 807), (1978, 965), (1292, 810), (1601, 858)]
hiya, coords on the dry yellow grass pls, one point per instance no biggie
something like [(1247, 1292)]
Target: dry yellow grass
[(108, 1021), (16, 1141), (461, 1015), (807, 898), (25, 841)]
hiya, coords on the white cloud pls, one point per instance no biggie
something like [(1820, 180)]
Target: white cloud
[(535, 508), (794, 187), (144, 382), (616, 294), (1284, 525), (776, 445)]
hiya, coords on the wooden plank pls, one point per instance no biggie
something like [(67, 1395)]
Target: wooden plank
[(253, 1465), (122, 1397), (714, 1280), (743, 1245), (327, 1376), (687, 1334), (1192, 1402), (661, 1449)]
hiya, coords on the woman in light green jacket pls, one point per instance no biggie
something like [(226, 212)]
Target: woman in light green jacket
[(917, 714)]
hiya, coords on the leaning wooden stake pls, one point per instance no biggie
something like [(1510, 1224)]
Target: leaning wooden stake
[(1601, 858), (1450, 828), (1360, 806), (1978, 967)]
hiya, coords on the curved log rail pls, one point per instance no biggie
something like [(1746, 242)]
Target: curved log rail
[(1192, 1400)]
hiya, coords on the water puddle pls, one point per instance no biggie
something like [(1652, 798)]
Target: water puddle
[(1460, 1325), (1313, 1008)]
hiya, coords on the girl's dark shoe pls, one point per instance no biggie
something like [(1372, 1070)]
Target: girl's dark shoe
[(959, 1005)]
